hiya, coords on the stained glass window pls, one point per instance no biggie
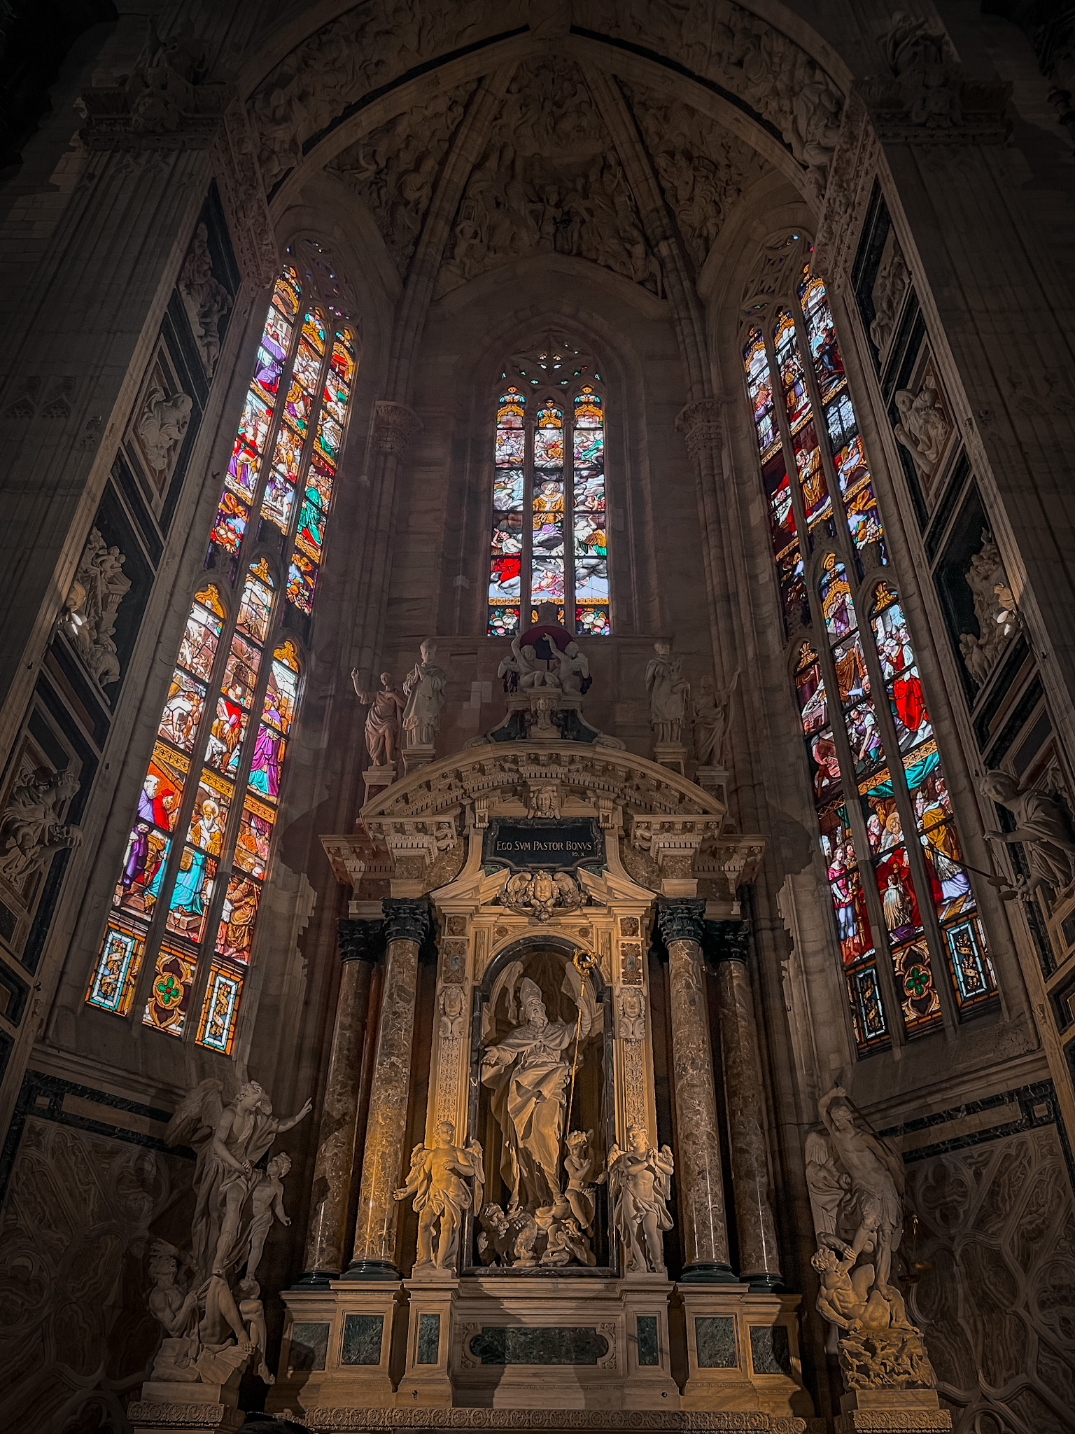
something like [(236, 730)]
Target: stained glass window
[(901, 896), (186, 901), (549, 526)]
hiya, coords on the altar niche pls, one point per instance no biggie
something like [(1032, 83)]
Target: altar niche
[(545, 1137)]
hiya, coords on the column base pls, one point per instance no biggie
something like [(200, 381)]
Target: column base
[(763, 1284), (709, 1274), (341, 1347), (420, 755), (315, 1280), (371, 1270), (868, 1411)]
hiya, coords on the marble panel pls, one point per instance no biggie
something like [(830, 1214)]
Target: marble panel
[(565, 1344), (428, 1338), (649, 1351), (309, 1346), (770, 1352), (714, 1337), (362, 1339)]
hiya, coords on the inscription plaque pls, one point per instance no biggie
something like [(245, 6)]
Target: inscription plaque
[(544, 842)]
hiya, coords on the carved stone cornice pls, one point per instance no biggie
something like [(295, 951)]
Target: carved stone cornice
[(186, 117), (394, 426), (350, 857), (726, 941), (582, 1421), (681, 918), (407, 919), (734, 858), (664, 837), (361, 940), (938, 105), (847, 193), (700, 425), (424, 837)]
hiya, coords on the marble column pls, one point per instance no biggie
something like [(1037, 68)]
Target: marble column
[(728, 945), (698, 1170), (361, 947), (406, 926)]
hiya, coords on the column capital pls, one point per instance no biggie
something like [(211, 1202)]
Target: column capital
[(407, 918), (681, 918), (700, 425), (361, 940), (727, 941)]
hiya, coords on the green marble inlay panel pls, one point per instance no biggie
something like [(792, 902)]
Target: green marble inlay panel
[(309, 1346), (428, 1338), (648, 1348), (770, 1350), (362, 1339), (565, 1344), (715, 1337)]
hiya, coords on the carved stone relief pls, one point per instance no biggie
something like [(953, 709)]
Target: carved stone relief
[(925, 426), (204, 297), (555, 186), (994, 608), (158, 427), (32, 829), (993, 1251), (892, 282), (92, 605), (393, 168), (703, 169)]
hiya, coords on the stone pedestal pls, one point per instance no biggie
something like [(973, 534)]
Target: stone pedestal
[(649, 1383), (742, 1351), (377, 778), (420, 755), (885, 1411), (698, 1172), (713, 779), (361, 945), (186, 1408), (406, 923), (671, 754), (426, 1377)]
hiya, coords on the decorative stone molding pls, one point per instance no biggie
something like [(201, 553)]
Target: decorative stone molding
[(361, 940), (734, 858), (242, 193), (144, 1414), (422, 837), (406, 919), (349, 857), (663, 837), (606, 1421), (681, 918), (847, 193), (394, 426), (700, 425)]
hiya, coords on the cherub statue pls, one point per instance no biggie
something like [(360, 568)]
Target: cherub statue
[(531, 675), (496, 1237), (573, 668), (230, 1140), (267, 1200), (445, 1181), (252, 1311), (640, 1182), (579, 1166)]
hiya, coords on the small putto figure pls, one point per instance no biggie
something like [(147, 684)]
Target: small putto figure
[(579, 1167), (445, 1181), (640, 1183)]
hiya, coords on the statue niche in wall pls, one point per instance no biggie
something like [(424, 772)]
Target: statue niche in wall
[(856, 1184), (541, 1067), (994, 609), (92, 606)]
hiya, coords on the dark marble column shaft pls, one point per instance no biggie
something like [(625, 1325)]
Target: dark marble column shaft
[(407, 922), (361, 946), (698, 1173), (759, 1256)]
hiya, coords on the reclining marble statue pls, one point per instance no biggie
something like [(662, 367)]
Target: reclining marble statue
[(856, 1184), (211, 1329)]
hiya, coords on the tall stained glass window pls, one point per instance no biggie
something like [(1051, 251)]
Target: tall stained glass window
[(901, 896), (180, 932), (549, 527)]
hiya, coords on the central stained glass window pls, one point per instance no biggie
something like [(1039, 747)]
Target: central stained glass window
[(549, 523)]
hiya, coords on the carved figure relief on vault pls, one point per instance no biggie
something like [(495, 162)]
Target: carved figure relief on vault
[(557, 186)]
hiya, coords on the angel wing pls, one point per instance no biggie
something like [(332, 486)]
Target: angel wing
[(569, 892), (196, 1115), (477, 1166), (826, 1183)]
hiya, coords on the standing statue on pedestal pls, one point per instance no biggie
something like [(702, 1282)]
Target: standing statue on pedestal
[(856, 1184), (668, 694), (711, 720), (640, 1183), (423, 688), (382, 720), (1041, 826), (445, 1181), (528, 1077)]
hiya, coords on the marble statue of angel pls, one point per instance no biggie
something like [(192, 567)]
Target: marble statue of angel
[(445, 1181), (229, 1140), (640, 1183)]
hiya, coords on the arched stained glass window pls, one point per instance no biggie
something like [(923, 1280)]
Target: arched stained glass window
[(902, 899), (549, 527), (201, 842)]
